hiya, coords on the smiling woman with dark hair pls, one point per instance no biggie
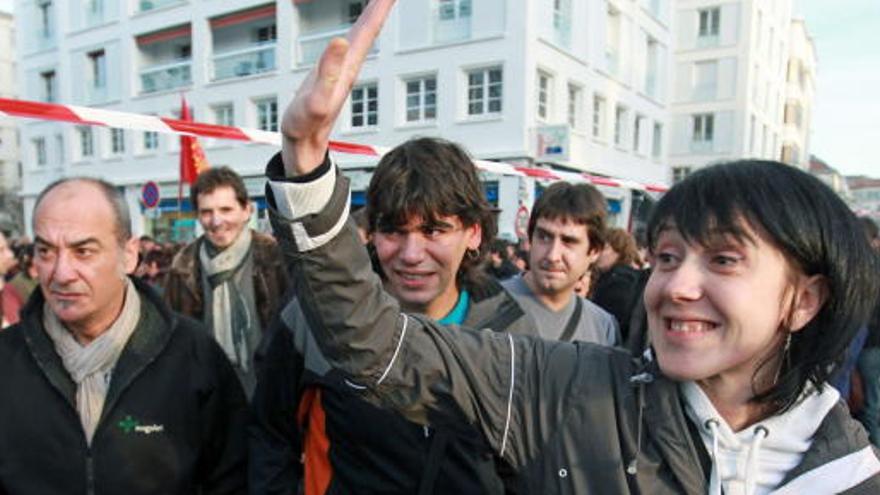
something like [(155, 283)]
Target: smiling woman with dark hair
[(761, 278)]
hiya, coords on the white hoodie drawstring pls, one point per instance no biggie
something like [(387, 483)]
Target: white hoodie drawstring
[(761, 432), (715, 478)]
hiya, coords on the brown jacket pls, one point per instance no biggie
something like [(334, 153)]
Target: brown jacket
[(183, 290)]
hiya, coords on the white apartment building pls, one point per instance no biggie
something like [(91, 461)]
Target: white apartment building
[(729, 83), (579, 85), (10, 175), (799, 93)]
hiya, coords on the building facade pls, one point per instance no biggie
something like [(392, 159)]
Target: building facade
[(799, 94), (10, 168), (865, 195), (580, 86), (729, 81)]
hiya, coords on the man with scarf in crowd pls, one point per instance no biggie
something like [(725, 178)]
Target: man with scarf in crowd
[(107, 390), (231, 278)]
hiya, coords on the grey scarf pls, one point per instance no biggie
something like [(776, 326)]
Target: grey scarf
[(91, 366), (231, 317)]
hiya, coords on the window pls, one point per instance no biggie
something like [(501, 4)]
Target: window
[(224, 114), (710, 20), (39, 151), (86, 142), (485, 87), (705, 79), (421, 99), (657, 143), (365, 105), (793, 114), (45, 8), (448, 10), (48, 78), (599, 116), (184, 52), (151, 140), (543, 95), (619, 124), (612, 41), (355, 7), (267, 114), (574, 106), (752, 130), (59, 145), (637, 133), (97, 62), (679, 173), (266, 34), (117, 141), (791, 154), (704, 128)]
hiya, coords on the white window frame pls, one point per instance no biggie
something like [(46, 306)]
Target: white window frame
[(224, 113), (638, 122), (86, 141), (266, 110), (657, 140), (420, 99), (544, 95), (575, 106), (621, 118), (150, 141), (680, 173), (486, 104), (703, 128), (98, 62), (360, 96), (708, 22), (40, 156), (600, 117), (117, 142), (450, 10)]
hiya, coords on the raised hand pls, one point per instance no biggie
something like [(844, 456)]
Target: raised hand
[(309, 119)]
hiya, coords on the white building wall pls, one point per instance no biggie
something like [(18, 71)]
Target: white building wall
[(735, 74), (799, 96), (519, 38)]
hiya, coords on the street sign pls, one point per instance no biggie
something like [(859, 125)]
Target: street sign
[(150, 194)]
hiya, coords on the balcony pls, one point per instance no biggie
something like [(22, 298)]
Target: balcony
[(167, 76), (147, 5), (311, 46), (244, 62)]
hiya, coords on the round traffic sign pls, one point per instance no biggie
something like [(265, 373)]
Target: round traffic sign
[(150, 194)]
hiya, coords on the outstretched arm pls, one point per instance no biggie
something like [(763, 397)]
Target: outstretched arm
[(309, 119)]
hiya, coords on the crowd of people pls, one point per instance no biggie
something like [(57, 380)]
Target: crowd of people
[(404, 348)]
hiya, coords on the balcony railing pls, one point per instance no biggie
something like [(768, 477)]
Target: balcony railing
[(244, 62), (145, 5), (167, 76), (311, 46)]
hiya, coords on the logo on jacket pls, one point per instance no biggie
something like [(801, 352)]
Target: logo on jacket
[(131, 425)]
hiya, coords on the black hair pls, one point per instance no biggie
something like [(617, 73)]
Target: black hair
[(429, 178), (214, 178), (869, 227), (816, 232), (582, 204), (113, 195)]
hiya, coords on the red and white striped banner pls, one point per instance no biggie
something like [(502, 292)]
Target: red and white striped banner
[(124, 120)]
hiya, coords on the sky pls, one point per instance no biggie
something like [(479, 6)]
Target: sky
[(846, 117)]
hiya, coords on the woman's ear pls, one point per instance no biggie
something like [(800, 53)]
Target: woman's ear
[(811, 293)]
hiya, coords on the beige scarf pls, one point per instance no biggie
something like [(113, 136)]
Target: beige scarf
[(91, 366)]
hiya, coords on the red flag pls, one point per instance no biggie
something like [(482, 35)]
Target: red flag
[(192, 157)]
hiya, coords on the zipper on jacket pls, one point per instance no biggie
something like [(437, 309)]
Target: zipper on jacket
[(90, 474)]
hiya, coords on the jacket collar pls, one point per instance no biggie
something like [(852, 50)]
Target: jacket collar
[(667, 426), (155, 328)]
